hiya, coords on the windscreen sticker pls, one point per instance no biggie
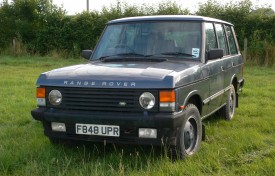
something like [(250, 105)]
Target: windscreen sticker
[(195, 52)]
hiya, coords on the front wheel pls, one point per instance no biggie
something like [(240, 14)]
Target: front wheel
[(189, 135)]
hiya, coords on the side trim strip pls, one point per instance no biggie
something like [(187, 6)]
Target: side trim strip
[(213, 112), (207, 100)]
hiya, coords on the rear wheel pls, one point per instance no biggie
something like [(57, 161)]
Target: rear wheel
[(189, 135), (229, 109)]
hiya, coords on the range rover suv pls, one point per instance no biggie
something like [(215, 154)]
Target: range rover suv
[(149, 80)]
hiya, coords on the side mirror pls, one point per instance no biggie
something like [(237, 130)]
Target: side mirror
[(215, 54), (86, 54)]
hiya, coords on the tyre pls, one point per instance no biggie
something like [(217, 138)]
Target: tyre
[(229, 109), (189, 135)]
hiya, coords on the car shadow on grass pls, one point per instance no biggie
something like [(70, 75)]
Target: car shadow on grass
[(114, 152)]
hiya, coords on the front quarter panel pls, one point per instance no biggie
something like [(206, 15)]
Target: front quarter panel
[(194, 83)]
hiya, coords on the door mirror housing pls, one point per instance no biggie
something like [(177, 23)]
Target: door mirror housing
[(86, 54), (215, 54)]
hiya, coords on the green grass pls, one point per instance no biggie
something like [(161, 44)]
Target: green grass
[(243, 146)]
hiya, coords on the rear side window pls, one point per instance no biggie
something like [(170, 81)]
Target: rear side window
[(211, 41), (221, 38), (231, 40)]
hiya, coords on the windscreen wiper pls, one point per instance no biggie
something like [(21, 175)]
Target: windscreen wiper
[(130, 57), (177, 54), (121, 54)]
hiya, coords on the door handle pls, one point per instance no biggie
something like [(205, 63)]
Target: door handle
[(222, 68), (233, 64)]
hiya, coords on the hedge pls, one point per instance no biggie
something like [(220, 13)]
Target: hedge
[(42, 27)]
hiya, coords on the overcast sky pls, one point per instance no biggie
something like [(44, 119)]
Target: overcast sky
[(77, 6)]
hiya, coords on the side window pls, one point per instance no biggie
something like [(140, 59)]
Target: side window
[(211, 41), (221, 38), (231, 40)]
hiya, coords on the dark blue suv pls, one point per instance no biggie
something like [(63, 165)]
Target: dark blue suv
[(149, 80)]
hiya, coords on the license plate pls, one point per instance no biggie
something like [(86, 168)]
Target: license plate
[(98, 130)]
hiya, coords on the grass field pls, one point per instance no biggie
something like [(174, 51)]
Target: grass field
[(243, 146)]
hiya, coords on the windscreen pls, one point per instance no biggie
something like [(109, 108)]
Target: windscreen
[(181, 39)]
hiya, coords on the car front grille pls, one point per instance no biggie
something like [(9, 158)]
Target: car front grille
[(100, 99)]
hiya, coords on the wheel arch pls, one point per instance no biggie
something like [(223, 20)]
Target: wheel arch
[(234, 81), (194, 98)]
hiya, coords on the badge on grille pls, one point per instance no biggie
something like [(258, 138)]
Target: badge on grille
[(122, 103)]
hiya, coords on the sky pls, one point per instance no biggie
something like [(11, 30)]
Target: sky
[(77, 6)]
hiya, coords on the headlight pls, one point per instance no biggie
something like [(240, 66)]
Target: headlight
[(55, 97), (147, 100)]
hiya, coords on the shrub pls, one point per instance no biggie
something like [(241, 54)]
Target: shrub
[(43, 28)]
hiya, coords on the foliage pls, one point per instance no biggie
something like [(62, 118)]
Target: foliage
[(7, 30), (43, 28)]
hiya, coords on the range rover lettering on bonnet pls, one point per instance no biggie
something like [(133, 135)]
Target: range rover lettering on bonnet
[(102, 83)]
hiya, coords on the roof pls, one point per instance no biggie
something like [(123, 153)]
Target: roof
[(167, 18)]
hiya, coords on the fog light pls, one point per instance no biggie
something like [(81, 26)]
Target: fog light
[(147, 133), (58, 126), (41, 101), (167, 106)]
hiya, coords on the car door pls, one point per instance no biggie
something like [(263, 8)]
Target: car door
[(216, 76), (230, 63), (226, 60)]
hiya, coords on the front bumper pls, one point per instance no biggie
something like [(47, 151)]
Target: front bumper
[(129, 122)]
